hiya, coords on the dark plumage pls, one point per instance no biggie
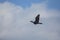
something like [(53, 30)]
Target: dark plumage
[(36, 20)]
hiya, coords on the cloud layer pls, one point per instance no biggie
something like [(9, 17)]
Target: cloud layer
[(15, 25)]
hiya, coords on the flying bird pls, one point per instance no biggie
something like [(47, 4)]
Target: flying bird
[(36, 20)]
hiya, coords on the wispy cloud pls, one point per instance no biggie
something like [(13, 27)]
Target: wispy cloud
[(14, 22)]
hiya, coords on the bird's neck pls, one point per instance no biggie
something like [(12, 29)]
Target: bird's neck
[(32, 21)]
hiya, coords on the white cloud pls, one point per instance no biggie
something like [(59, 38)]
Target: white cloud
[(14, 22)]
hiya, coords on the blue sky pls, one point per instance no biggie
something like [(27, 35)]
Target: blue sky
[(55, 4), (15, 17)]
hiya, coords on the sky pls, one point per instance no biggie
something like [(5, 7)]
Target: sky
[(15, 17)]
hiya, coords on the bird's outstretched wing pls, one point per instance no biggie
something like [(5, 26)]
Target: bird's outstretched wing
[(37, 18)]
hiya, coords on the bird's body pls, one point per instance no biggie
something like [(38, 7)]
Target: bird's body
[(36, 20)]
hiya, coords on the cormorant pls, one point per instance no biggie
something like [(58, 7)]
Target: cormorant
[(36, 20)]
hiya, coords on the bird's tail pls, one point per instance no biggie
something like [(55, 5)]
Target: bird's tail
[(39, 23)]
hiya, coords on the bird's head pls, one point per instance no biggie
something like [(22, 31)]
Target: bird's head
[(31, 21)]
